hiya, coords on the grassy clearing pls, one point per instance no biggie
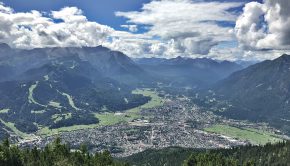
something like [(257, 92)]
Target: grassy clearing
[(107, 118), (47, 132), (54, 104), (131, 114), (14, 129), (4, 111), (70, 100), (38, 112), (252, 135), (58, 117), (155, 101), (46, 77), (30, 94)]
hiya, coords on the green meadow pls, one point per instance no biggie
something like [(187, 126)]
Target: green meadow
[(258, 137)]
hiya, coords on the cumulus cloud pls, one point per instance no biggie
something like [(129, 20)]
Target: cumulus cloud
[(34, 29), (132, 28), (264, 25), (69, 14), (185, 26)]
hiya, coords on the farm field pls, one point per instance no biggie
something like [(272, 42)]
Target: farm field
[(254, 136)]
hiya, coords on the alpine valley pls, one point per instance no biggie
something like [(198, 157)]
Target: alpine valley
[(105, 99), (145, 83)]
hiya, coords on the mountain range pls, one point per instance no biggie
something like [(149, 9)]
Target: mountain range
[(194, 73)]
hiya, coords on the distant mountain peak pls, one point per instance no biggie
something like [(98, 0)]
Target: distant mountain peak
[(284, 57)]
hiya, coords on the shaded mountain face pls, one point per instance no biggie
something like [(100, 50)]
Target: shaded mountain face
[(195, 73), (59, 87), (259, 92), (113, 64)]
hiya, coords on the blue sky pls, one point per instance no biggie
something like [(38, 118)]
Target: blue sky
[(101, 11)]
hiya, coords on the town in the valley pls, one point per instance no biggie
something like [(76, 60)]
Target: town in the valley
[(178, 122)]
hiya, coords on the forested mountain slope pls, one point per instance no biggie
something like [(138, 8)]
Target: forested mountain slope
[(260, 92)]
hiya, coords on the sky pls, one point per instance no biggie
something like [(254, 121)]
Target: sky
[(220, 29)]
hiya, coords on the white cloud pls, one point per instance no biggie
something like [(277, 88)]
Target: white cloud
[(175, 28), (265, 25), (33, 29), (68, 27), (190, 27), (4, 9), (132, 28), (69, 14)]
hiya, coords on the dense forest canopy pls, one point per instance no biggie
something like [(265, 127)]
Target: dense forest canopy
[(249, 155)]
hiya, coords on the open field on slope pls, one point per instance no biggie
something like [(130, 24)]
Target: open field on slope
[(111, 118), (58, 117), (30, 95), (47, 132), (252, 135), (14, 129), (155, 101), (4, 111)]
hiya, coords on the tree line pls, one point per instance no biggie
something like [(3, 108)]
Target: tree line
[(270, 154), (54, 154)]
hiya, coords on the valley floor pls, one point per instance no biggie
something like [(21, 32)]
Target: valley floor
[(172, 121)]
